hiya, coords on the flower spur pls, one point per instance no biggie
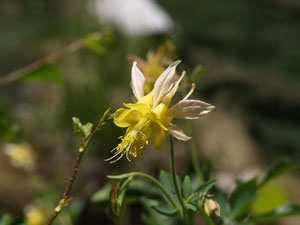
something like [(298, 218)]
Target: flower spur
[(151, 114)]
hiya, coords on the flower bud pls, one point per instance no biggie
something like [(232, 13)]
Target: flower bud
[(212, 208)]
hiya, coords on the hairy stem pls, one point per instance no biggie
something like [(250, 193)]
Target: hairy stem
[(65, 199), (177, 191)]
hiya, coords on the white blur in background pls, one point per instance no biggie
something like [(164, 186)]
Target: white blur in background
[(132, 17)]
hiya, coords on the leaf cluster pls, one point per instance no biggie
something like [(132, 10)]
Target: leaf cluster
[(158, 210)]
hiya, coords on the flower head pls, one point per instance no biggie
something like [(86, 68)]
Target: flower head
[(151, 114)]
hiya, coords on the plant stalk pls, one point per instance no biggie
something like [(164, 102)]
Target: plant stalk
[(177, 191)]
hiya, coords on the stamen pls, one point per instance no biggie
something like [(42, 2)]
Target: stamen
[(190, 92), (132, 143)]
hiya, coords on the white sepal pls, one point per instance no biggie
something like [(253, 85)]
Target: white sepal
[(138, 81), (176, 132), (189, 109), (164, 83)]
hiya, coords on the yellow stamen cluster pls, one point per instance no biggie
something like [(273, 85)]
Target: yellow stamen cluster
[(133, 142)]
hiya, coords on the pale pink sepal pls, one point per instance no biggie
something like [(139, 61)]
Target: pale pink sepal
[(164, 83), (189, 109), (178, 133), (138, 81)]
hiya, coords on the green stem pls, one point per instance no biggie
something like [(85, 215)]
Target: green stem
[(179, 196), (194, 155), (154, 181)]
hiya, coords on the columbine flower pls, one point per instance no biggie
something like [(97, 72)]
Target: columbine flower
[(152, 115)]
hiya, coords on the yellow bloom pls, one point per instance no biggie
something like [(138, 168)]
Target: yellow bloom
[(151, 115), (21, 155), (34, 215)]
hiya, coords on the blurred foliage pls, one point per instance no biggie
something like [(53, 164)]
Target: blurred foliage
[(245, 206), (9, 128), (48, 73)]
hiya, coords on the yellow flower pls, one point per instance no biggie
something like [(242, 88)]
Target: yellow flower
[(21, 156), (34, 215), (151, 114)]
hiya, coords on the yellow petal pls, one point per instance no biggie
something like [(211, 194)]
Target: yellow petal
[(142, 108), (147, 99), (160, 111), (126, 117), (159, 136)]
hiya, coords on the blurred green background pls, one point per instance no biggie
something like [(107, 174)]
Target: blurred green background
[(252, 52)]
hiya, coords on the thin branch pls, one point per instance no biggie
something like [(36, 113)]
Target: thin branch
[(65, 199), (51, 58)]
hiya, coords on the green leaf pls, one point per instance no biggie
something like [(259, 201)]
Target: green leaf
[(279, 169), (152, 217), (199, 193), (242, 205), (186, 187), (87, 128), (48, 73), (206, 186), (221, 198), (9, 129), (242, 198), (6, 219), (96, 46), (281, 211), (84, 129), (164, 210), (102, 196), (75, 209), (191, 207), (167, 181), (140, 188)]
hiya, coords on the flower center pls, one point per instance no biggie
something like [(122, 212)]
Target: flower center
[(134, 141)]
